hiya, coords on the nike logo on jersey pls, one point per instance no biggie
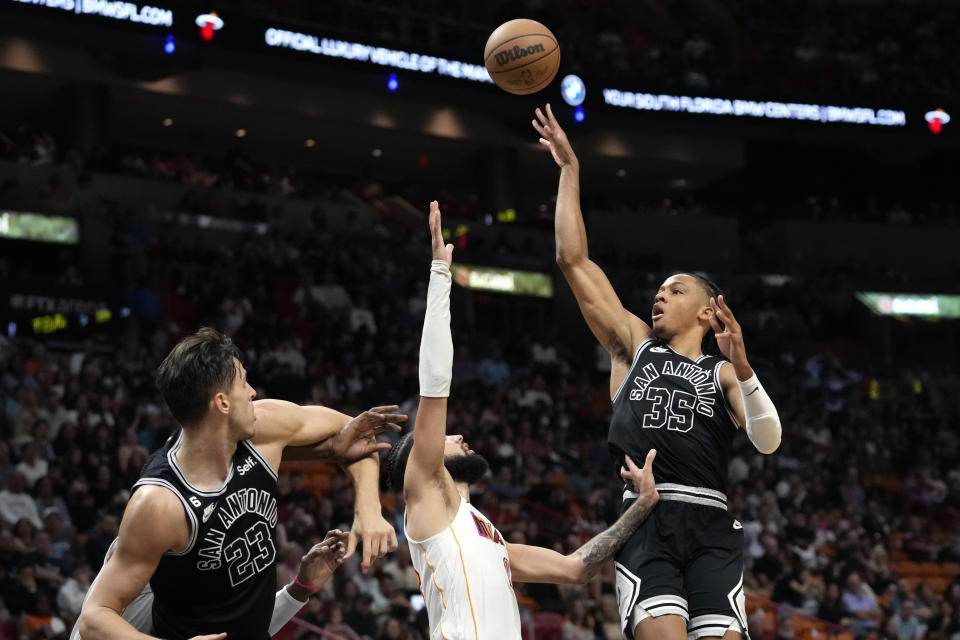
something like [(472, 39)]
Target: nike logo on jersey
[(737, 525), (659, 350), (208, 511)]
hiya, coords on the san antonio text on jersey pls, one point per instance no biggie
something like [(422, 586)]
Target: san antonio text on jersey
[(674, 405), (225, 579)]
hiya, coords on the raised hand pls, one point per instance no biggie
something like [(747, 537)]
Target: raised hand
[(441, 251), (322, 560), (358, 438), (553, 138), (728, 334), (377, 535), (641, 479)]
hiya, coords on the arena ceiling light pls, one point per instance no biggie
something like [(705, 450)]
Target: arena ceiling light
[(38, 227), (393, 58), (509, 281), (573, 90), (933, 306), (119, 11), (754, 109), (936, 119)]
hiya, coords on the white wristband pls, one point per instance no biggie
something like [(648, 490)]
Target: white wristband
[(436, 344), (763, 423), (285, 606)]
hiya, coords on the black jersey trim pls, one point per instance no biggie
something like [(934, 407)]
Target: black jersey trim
[(643, 345), (171, 458), (726, 403), (263, 461), (191, 516)]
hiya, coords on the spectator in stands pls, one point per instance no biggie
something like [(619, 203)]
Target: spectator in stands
[(860, 605), (16, 504), (907, 625)]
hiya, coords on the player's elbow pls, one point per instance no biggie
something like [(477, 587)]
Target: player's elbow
[(569, 257), (86, 624), (765, 433), (580, 573)]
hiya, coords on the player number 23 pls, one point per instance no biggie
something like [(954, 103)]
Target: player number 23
[(673, 408), (249, 554)]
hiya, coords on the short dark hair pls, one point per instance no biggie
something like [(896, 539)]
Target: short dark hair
[(708, 345), (197, 368), (397, 461)]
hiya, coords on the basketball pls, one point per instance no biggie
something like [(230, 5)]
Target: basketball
[(522, 56)]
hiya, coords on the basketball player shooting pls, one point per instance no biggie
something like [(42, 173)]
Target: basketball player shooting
[(200, 523), (669, 395), (464, 565)]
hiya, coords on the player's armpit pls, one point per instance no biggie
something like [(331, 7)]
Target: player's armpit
[(140, 546), (538, 564), (731, 393), (618, 330)]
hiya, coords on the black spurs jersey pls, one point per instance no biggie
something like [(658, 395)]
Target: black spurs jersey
[(225, 579), (675, 405)]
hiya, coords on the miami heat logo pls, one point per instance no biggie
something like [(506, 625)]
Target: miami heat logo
[(487, 530)]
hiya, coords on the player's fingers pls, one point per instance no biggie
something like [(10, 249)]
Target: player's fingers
[(351, 545), (726, 308), (368, 547), (550, 113), (650, 456), (625, 474), (333, 535), (542, 118), (380, 446), (394, 417), (631, 464), (538, 127), (387, 426), (386, 409), (393, 540)]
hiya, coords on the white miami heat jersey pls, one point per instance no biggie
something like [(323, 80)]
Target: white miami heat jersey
[(464, 574)]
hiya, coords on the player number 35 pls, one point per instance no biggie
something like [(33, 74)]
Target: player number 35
[(670, 408)]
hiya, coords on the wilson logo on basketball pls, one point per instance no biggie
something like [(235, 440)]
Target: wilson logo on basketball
[(516, 53)]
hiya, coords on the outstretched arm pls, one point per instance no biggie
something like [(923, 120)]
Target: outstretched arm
[(747, 398), (538, 564), (618, 330), (436, 369)]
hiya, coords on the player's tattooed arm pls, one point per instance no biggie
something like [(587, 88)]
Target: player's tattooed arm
[(538, 564), (595, 554)]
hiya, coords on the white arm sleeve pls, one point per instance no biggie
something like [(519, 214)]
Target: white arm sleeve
[(285, 607), (436, 345), (763, 422)]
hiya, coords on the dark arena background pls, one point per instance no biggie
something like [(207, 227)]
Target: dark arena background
[(264, 167)]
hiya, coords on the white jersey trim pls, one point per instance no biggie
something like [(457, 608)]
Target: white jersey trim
[(191, 516), (263, 460), (643, 345), (726, 403), (172, 459)]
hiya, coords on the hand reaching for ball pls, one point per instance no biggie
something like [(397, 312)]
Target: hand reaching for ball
[(553, 137)]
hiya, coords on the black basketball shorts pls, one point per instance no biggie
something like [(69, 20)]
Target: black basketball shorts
[(685, 559)]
